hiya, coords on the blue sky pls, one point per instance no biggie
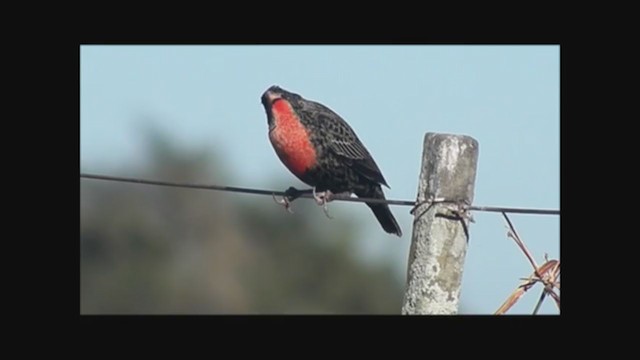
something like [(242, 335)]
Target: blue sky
[(506, 97)]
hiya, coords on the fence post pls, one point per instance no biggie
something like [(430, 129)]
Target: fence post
[(439, 240)]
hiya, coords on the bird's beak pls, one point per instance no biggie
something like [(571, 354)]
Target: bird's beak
[(269, 97)]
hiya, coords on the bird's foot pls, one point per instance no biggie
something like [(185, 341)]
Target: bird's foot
[(284, 202), (322, 198), (289, 196)]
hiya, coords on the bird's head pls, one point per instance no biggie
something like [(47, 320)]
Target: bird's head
[(275, 93)]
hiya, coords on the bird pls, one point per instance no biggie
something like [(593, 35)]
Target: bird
[(322, 150)]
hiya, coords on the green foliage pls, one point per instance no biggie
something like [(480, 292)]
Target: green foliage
[(157, 250)]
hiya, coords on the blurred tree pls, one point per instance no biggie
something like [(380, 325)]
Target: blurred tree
[(157, 250)]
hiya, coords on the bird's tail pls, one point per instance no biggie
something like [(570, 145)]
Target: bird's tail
[(381, 211)]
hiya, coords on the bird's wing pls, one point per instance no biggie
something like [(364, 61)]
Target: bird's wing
[(344, 142), (354, 153)]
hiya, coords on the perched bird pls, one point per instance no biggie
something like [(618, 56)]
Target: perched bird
[(322, 150)]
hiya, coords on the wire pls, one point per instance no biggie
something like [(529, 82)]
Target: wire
[(282, 193)]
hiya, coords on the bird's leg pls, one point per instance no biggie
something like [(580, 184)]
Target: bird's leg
[(289, 196), (322, 198), (284, 202)]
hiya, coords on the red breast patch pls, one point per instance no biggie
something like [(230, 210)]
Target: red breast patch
[(290, 139)]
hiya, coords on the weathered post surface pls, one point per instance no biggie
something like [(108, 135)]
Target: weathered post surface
[(440, 236)]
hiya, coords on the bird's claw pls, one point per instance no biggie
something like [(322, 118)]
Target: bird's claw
[(322, 199), (289, 195), (284, 202), (326, 211)]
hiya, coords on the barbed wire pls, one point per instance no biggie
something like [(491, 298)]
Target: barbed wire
[(305, 195)]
